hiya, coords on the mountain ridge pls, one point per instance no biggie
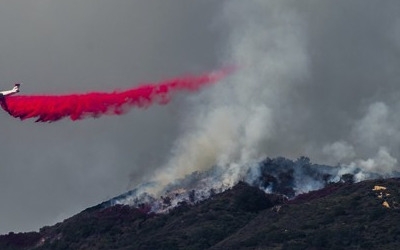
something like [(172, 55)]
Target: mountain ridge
[(267, 209), (342, 215)]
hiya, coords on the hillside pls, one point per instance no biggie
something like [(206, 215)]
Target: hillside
[(342, 215)]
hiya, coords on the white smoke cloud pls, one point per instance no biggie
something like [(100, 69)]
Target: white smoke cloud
[(290, 97), (377, 127), (382, 163), (230, 123), (340, 151), (373, 134)]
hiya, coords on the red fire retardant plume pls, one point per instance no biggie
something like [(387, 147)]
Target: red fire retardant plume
[(50, 108)]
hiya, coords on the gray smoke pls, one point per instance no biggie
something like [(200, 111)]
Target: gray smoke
[(236, 121), (279, 176), (315, 78)]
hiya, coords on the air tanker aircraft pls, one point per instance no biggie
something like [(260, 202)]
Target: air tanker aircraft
[(12, 91)]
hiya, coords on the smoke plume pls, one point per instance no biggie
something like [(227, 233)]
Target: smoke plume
[(50, 108), (235, 123), (307, 86)]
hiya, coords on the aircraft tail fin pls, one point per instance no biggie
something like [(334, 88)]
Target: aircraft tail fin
[(17, 86)]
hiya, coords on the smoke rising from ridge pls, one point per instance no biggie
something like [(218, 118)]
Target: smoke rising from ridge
[(299, 91), (240, 117)]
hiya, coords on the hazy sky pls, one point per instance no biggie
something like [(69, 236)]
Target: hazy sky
[(51, 171), (317, 77)]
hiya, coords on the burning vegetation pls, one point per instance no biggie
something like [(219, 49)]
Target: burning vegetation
[(343, 215)]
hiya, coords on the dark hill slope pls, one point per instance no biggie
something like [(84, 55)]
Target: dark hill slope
[(340, 216), (186, 227)]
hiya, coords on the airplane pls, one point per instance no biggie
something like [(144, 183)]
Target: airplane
[(12, 91)]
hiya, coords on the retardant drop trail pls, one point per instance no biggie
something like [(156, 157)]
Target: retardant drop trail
[(50, 108)]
